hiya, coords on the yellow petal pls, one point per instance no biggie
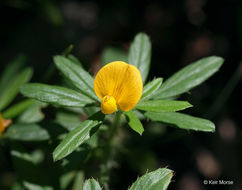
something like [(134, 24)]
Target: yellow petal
[(4, 123), (108, 105), (121, 81), (2, 127)]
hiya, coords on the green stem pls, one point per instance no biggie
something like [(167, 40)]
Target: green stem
[(109, 151), (114, 127)]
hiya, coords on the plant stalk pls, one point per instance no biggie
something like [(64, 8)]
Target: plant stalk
[(109, 152)]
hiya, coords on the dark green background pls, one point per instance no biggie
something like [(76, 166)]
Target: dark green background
[(181, 32)]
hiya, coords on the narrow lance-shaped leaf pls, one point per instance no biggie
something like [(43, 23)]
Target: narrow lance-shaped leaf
[(77, 75), (31, 186), (91, 184), (55, 95), (18, 108), (189, 77), (140, 54), (79, 181), (78, 136), (35, 157), (68, 120), (74, 59), (163, 105), (9, 92), (150, 88), (183, 121), (156, 180), (66, 180), (27, 132), (33, 113), (134, 122)]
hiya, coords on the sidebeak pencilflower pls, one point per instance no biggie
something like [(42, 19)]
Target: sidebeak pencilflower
[(4, 124), (118, 85)]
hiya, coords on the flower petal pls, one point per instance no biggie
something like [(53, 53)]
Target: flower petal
[(2, 127), (121, 81), (108, 105)]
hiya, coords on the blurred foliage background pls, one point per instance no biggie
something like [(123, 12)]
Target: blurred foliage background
[(181, 32)]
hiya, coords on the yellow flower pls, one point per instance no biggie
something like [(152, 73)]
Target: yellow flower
[(4, 124), (118, 85)]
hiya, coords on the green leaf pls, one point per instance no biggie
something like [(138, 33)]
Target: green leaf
[(156, 180), (79, 181), (150, 88), (77, 75), (111, 54), (74, 59), (31, 186), (11, 70), (163, 105), (183, 121), (138, 114), (55, 95), (140, 54), (26, 132), (17, 109), (35, 157), (189, 77), (33, 113), (68, 120), (78, 136), (91, 184), (66, 180), (11, 90), (134, 122)]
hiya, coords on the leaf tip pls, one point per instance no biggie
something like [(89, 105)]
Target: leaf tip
[(140, 132), (189, 105), (218, 60), (55, 156), (212, 127)]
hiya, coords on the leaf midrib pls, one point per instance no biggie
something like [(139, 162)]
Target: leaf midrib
[(187, 75), (82, 80), (74, 136)]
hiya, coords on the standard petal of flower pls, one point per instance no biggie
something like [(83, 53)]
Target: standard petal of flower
[(132, 89), (120, 80)]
